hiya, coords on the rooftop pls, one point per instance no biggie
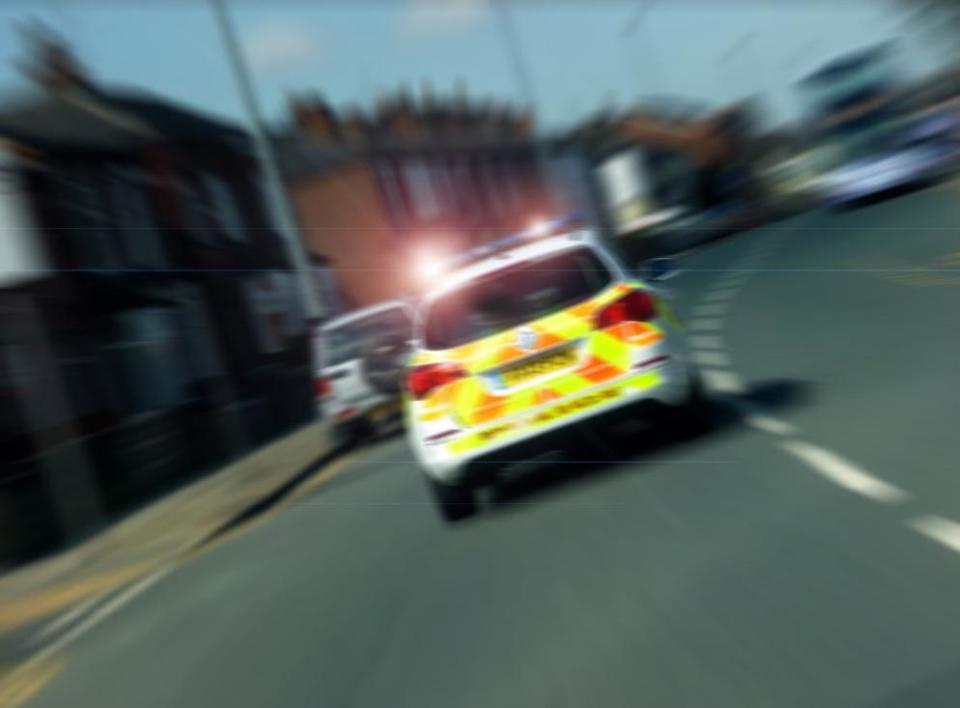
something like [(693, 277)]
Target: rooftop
[(851, 61)]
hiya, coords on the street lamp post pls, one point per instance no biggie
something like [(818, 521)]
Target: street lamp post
[(276, 192)]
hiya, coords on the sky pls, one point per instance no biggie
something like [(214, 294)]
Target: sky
[(577, 54)]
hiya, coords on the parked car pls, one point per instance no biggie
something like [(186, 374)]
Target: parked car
[(359, 368), (911, 163)]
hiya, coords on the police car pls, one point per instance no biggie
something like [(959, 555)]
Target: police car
[(525, 337)]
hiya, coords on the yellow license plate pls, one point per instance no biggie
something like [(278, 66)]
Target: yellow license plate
[(532, 368), (384, 411)]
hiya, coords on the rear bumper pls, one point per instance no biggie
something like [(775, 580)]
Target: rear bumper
[(666, 384), (352, 411)]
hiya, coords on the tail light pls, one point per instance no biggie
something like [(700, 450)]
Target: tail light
[(321, 386), (421, 380), (635, 306)]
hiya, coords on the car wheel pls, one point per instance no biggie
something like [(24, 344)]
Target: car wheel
[(351, 433), (454, 501), (695, 416)]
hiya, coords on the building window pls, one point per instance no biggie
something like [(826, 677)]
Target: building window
[(275, 309), (201, 353), (81, 201), (224, 212), (491, 188), (325, 280), (209, 206), (192, 200), (509, 182), (462, 186), (136, 227), (392, 192), (147, 349), (419, 186), (440, 173)]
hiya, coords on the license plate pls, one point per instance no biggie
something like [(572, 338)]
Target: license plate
[(538, 366), (384, 411)]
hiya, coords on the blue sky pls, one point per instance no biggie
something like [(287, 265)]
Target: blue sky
[(577, 52)]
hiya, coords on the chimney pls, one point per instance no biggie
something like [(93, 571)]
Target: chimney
[(51, 63), (314, 117)]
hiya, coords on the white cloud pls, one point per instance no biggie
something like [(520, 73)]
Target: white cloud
[(425, 17), (279, 46)]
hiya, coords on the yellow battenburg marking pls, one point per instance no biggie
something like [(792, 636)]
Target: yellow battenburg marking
[(607, 354), (611, 349), (594, 398)]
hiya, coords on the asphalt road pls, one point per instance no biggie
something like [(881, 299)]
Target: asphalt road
[(800, 555)]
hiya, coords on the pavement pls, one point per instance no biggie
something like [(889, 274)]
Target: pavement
[(45, 599), (804, 553)]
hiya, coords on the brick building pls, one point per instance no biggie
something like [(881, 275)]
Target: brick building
[(373, 191)]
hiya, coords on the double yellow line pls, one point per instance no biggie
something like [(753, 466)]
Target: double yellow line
[(20, 684)]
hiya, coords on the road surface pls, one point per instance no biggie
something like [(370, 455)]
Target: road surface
[(806, 553)]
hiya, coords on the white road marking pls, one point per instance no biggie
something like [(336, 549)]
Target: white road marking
[(720, 294), (756, 418), (722, 381), (939, 529), (768, 424), (733, 283), (705, 341), (844, 473), (710, 309), (70, 636), (711, 358), (705, 323), (65, 618)]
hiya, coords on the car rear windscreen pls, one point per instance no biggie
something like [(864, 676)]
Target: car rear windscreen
[(352, 340), (519, 293)]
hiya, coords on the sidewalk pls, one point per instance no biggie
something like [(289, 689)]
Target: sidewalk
[(161, 532)]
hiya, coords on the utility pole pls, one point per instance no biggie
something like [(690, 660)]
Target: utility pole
[(525, 80), (276, 191), (649, 65)]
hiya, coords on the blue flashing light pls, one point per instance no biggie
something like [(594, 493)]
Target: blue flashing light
[(548, 228)]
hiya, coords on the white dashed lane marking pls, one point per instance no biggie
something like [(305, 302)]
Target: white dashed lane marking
[(754, 416), (937, 528), (761, 421), (720, 294), (705, 323), (722, 381), (705, 341), (711, 358), (710, 309), (708, 351), (844, 473)]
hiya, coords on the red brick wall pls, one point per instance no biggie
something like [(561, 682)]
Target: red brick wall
[(341, 217)]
